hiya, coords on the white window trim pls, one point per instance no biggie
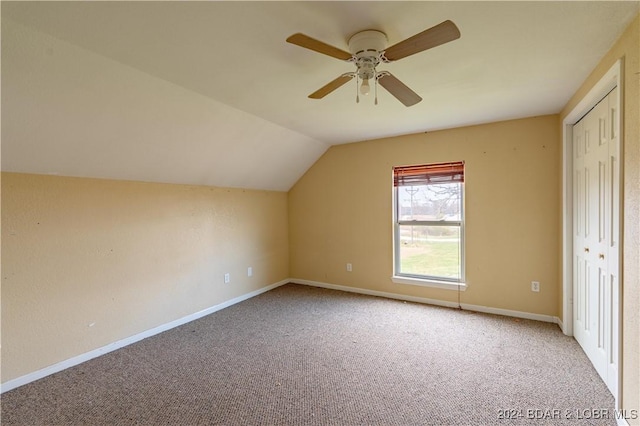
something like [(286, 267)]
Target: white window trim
[(457, 285)]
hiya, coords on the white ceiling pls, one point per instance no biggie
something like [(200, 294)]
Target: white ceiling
[(513, 60)]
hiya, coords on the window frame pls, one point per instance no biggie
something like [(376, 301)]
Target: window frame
[(427, 280)]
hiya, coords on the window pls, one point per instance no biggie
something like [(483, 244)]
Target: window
[(429, 223)]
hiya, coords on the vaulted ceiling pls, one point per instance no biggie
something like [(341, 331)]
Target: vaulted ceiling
[(210, 93)]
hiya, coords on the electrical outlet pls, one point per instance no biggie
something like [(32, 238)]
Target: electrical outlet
[(349, 267), (227, 278), (535, 286), (249, 271)]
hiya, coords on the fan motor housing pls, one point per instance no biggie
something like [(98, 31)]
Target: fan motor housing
[(366, 48), (368, 43)]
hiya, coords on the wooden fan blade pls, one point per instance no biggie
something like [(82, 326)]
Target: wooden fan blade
[(318, 46), (330, 87), (434, 36), (398, 89)]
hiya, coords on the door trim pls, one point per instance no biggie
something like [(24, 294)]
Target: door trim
[(610, 80)]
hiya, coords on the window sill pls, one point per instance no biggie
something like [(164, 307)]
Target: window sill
[(447, 285)]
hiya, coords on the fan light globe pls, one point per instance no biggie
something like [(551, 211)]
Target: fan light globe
[(364, 87)]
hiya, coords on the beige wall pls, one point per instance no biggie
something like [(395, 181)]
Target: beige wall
[(88, 262), (627, 47), (341, 211)]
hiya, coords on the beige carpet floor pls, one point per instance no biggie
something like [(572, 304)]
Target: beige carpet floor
[(300, 355)]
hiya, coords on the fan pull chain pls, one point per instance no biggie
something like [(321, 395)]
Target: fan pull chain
[(357, 94), (375, 102)]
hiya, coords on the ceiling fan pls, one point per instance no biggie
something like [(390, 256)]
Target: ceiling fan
[(367, 49)]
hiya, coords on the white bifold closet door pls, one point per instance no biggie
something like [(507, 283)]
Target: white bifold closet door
[(595, 236)]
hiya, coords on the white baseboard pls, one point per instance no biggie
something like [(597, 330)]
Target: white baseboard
[(376, 293), (39, 374), (465, 306), (28, 378), (508, 313)]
